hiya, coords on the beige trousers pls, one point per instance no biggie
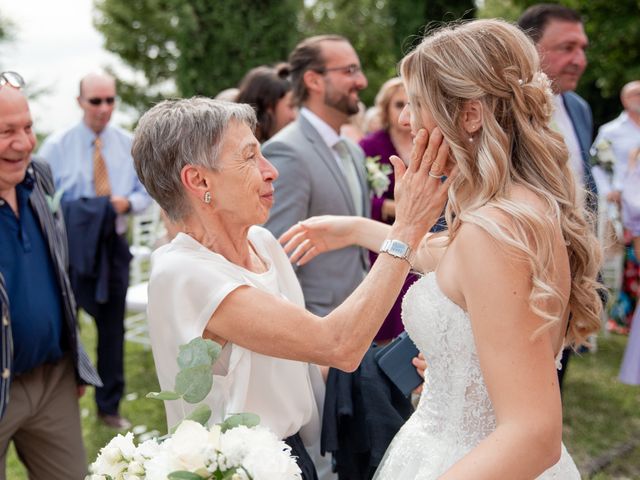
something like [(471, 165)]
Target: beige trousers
[(43, 420)]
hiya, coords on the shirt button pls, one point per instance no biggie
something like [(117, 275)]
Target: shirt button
[(6, 373), (1, 202)]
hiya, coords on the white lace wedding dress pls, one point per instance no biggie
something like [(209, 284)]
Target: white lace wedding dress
[(455, 412)]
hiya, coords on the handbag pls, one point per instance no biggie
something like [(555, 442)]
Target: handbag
[(394, 360)]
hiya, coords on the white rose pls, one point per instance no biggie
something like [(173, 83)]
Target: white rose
[(188, 446), (160, 466), (124, 444)]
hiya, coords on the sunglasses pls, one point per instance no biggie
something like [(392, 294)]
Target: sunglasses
[(98, 101), (12, 78)]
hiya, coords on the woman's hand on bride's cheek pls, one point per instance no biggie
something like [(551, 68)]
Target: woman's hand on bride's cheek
[(421, 189)]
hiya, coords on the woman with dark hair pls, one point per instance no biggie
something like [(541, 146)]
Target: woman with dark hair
[(268, 91)]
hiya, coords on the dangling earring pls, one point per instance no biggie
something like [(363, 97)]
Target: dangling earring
[(207, 197), (470, 139)]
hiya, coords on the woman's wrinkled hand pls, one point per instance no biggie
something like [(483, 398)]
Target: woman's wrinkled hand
[(309, 238), (421, 188)]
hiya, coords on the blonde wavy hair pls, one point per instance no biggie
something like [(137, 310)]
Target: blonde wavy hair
[(494, 63)]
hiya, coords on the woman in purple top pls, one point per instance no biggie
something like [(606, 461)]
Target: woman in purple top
[(393, 139)]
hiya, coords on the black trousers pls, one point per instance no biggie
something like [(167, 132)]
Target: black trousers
[(109, 318), (303, 459)]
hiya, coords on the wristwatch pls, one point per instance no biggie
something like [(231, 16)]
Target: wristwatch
[(398, 249)]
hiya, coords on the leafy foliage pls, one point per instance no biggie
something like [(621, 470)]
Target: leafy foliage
[(194, 380), (194, 47)]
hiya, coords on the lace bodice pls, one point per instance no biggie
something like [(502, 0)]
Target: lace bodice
[(455, 412)]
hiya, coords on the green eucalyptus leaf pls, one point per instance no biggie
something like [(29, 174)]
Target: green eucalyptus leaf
[(201, 414), (194, 383), (198, 352), (237, 419), (184, 475), (163, 395)]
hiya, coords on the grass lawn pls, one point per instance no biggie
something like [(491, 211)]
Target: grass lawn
[(600, 413)]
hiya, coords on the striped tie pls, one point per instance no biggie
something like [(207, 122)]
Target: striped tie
[(100, 174)]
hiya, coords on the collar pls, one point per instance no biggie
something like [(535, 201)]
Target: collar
[(88, 135), (327, 133)]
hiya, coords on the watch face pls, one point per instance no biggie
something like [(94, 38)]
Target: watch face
[(398, 249)]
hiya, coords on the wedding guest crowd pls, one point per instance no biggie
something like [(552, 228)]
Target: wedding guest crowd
[(292, 141)]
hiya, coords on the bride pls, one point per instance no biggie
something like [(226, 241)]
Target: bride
[(512, 281)]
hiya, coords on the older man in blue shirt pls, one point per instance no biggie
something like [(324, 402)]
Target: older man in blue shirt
[(93, 159)]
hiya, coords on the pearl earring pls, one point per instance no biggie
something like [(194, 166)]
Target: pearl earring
[(207, 197)]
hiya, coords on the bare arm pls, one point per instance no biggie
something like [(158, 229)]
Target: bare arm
[(272, 326), (519, 371), (309, 238)]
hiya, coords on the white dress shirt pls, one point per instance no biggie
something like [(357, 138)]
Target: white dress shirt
[(624, 135)]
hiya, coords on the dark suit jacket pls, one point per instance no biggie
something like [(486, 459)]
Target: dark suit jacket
[(311, 183), (55, 236), (580, 115), (91, 226)]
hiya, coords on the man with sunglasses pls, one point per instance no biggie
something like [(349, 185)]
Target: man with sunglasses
[(320, 171), (93, 160), (43, 367)]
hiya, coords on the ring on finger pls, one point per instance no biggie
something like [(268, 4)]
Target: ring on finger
[(436, 175)]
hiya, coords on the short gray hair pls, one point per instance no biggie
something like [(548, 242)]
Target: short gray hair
[(175, 133)]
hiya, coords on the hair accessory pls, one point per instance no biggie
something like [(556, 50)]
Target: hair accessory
[(207, 197)]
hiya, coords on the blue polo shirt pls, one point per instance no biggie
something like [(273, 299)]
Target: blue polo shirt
[(35, 305)]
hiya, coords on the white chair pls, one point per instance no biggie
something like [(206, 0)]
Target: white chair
[(146, 229)]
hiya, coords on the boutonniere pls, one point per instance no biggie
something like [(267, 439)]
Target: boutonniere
[(604, 156), (377, 175), (54, 201)]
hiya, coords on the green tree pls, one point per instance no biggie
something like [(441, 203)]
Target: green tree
[(414, 18), (190, 47)]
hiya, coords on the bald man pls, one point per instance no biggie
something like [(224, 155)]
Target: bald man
[(623, 134), (92, 160), (42, 365)]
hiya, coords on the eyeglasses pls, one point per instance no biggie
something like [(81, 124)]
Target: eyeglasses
[(98, 101), (352, 69), (12, 78)]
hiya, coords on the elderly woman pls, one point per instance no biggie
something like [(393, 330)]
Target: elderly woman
[(226, 279)]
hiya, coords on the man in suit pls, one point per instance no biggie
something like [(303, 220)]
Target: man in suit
[(320, 171), (559, 36), (43, 366)]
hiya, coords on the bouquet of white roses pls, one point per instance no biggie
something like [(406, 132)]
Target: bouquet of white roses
[(237, 449)]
